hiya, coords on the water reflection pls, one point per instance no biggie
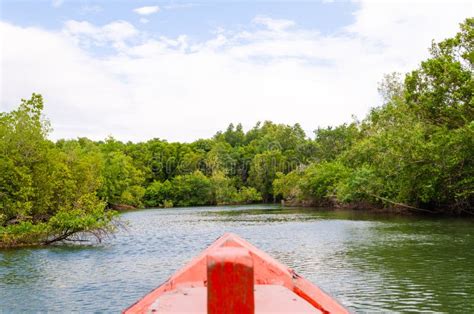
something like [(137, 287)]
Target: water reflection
[(370, 263), (426, 265)]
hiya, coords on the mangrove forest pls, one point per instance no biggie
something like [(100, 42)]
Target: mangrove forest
[(414, 153)]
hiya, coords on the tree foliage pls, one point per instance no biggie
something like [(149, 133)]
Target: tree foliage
[(47, 193), (415, 151)]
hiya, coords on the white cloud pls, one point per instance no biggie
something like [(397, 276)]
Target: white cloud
[(273, 24), (177, 6), (81, 93), (57, 3), (86, 34), (147, 10), (90, 9), (178, 90)]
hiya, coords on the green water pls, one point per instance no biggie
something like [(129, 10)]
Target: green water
[(370, 263)]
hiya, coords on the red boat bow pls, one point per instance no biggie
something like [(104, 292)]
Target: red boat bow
[(233, 276)]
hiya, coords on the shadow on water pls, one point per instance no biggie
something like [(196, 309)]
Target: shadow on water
[(308, 213), (422, 265)]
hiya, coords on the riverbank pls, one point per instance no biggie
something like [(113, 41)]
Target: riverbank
[(333, 206), (396, 209), (30, 236)]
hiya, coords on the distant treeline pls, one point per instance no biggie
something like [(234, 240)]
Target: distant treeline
[(415, 152)]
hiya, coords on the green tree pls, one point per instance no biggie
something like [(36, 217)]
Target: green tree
[(441, 90), (46, 194), (192, 189), (263, 171), (122, 181), (330, 142), (248, 195), (158, 193), (223, 189), (288, 186), (320, 181)]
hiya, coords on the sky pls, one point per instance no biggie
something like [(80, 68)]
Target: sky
[(181, 71)]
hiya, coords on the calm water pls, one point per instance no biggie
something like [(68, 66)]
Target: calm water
[(370, 263)]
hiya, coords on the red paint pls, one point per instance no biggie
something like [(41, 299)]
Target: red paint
[(230, 281), (267, 272)]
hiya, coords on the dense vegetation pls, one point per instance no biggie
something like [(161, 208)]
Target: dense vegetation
[(414, 152)]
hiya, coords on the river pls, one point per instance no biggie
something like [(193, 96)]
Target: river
[(370, 263)]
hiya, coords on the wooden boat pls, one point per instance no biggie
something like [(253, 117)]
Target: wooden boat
[(233, 276)]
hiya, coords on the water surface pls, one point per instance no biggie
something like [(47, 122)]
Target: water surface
[(371, 263)]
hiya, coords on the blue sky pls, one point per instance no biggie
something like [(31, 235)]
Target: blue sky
[(188, 69), (196, 19)]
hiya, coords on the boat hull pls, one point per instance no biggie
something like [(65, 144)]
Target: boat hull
[(277, 287)]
